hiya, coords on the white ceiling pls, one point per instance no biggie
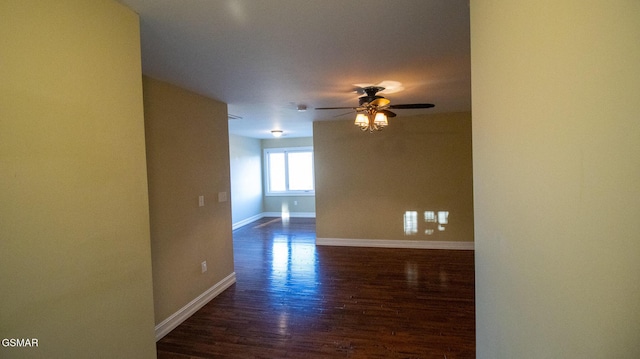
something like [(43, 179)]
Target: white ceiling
[(265, 57)]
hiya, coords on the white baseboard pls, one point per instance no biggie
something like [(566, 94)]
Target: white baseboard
[(188, 310), (246, 221), (388, 243), (291, 214)]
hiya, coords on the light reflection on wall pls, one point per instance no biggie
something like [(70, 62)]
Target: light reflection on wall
[(433, 221), (410, 222)]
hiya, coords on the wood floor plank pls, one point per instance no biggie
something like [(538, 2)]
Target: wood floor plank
[(293, 299)]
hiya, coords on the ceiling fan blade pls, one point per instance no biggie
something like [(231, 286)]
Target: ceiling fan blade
[(412, 106), (335, 108), (388, 113), (344, 114), (379, 102)]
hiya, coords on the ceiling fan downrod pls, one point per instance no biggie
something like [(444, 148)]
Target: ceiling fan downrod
[(370, 96)]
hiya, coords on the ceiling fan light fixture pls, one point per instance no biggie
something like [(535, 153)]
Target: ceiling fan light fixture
[(380, 120), (276, 133), (371, 121), (361, 120), (373, 110)]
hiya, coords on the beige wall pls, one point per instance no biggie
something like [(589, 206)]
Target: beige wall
[(246, 177), (187, 156), (556, 144), (74, 223), (365, 182)]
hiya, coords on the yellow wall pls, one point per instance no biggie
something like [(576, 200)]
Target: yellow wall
[(74, 224), (365, 182), (556, 146), (187, 156)]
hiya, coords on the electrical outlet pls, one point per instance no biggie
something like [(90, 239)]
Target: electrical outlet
[(201, 201), (203, 266)]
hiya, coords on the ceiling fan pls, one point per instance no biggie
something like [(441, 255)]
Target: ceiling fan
[(373, 110)]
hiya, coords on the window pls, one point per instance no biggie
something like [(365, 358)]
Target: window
[(289, 171)]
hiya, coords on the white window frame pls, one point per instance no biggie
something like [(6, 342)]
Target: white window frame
[(287, 192)]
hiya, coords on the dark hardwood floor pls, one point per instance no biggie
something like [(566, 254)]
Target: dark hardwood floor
[(293, 299)]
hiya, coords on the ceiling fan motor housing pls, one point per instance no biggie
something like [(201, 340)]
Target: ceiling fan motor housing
[(371, 94)]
